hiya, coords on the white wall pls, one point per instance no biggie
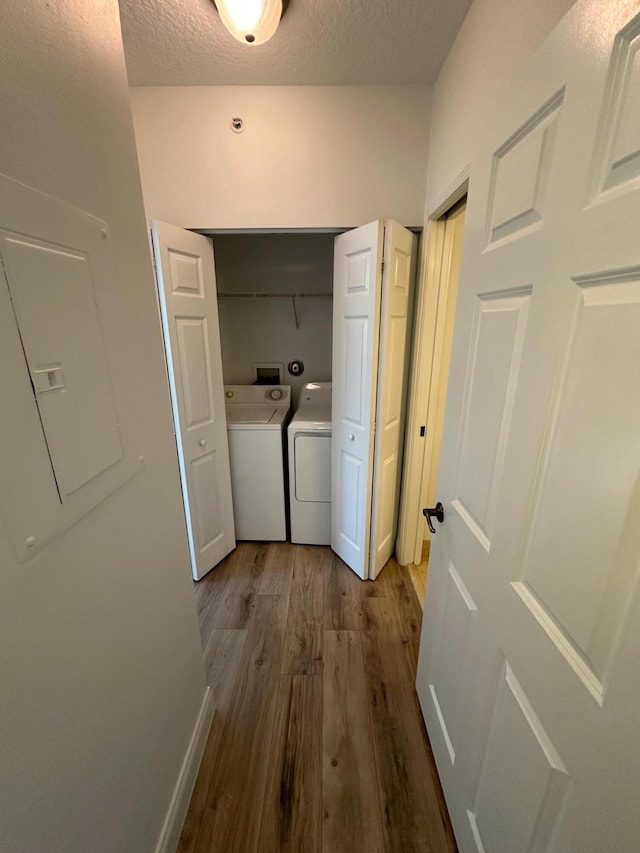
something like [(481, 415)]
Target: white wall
[(265, 329), (100, 660), (495, 35), (309, 157)]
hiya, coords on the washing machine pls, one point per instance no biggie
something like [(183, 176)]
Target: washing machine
[(257, 417), (309, 438)]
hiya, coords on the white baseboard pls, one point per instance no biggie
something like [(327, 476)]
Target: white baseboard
[(179, 805)]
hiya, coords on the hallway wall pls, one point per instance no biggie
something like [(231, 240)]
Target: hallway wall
[(309, 156), (100, 658)]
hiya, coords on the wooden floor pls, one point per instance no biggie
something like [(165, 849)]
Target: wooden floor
[(317, 743)]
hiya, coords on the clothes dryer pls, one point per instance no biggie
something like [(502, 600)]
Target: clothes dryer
[(309, 438)]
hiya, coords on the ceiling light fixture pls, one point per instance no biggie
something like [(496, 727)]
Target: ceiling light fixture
[(251, 21)]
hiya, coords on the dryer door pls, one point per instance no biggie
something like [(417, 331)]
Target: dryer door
[(313, 467)]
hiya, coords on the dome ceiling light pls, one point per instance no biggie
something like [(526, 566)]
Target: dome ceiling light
[(251, 21)]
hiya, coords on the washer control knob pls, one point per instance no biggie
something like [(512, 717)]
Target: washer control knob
[(275, 394)]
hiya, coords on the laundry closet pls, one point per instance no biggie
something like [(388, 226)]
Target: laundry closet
[(317, 321), (275, 307), (275, 296)]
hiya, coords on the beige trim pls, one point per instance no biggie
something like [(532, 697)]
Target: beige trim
[(425, 366), (447, 296)]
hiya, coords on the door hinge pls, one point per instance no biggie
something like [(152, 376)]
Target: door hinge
[(382, 266), (423, 430)]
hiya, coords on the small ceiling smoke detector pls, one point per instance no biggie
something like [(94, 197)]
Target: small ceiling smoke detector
[(251, 21)]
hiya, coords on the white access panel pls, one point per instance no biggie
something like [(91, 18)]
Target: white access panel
[(257, 483), (66, 448), (313, 467), (66, 357)]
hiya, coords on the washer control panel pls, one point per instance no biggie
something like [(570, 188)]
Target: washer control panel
[(258, 394)]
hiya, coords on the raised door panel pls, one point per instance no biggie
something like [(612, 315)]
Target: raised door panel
[(352, 487), (389, 429), (400, 261), (205, 479), (578, 574), (357, 279), (195, 368), (456, 632), (522, 783), (387, 510), (520, 176), (354, 371), (496, 346), (186, 274), (617, 158), (395, 347)]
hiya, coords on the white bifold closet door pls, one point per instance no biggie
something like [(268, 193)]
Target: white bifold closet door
[(529, 660), (374, 269), (187, 291)]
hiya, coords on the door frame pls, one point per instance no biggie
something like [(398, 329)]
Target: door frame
[(423, 372)]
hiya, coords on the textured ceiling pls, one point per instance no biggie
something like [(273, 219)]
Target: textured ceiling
[(319, 42)]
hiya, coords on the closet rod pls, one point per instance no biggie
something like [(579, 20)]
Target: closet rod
[(321, 294)]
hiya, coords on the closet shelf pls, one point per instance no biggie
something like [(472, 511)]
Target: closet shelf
[(320, 294)]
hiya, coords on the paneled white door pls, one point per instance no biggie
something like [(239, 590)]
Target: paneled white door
[(188, 305), (529, 673), (399, 257), (357, 289), (370, 319)]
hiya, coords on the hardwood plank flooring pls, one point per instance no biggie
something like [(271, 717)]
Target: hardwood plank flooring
[(278, 569), (292, 811), (235, 605), (303, 639), (342, 596), (318, 744), (350, 802), (231, 818)]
